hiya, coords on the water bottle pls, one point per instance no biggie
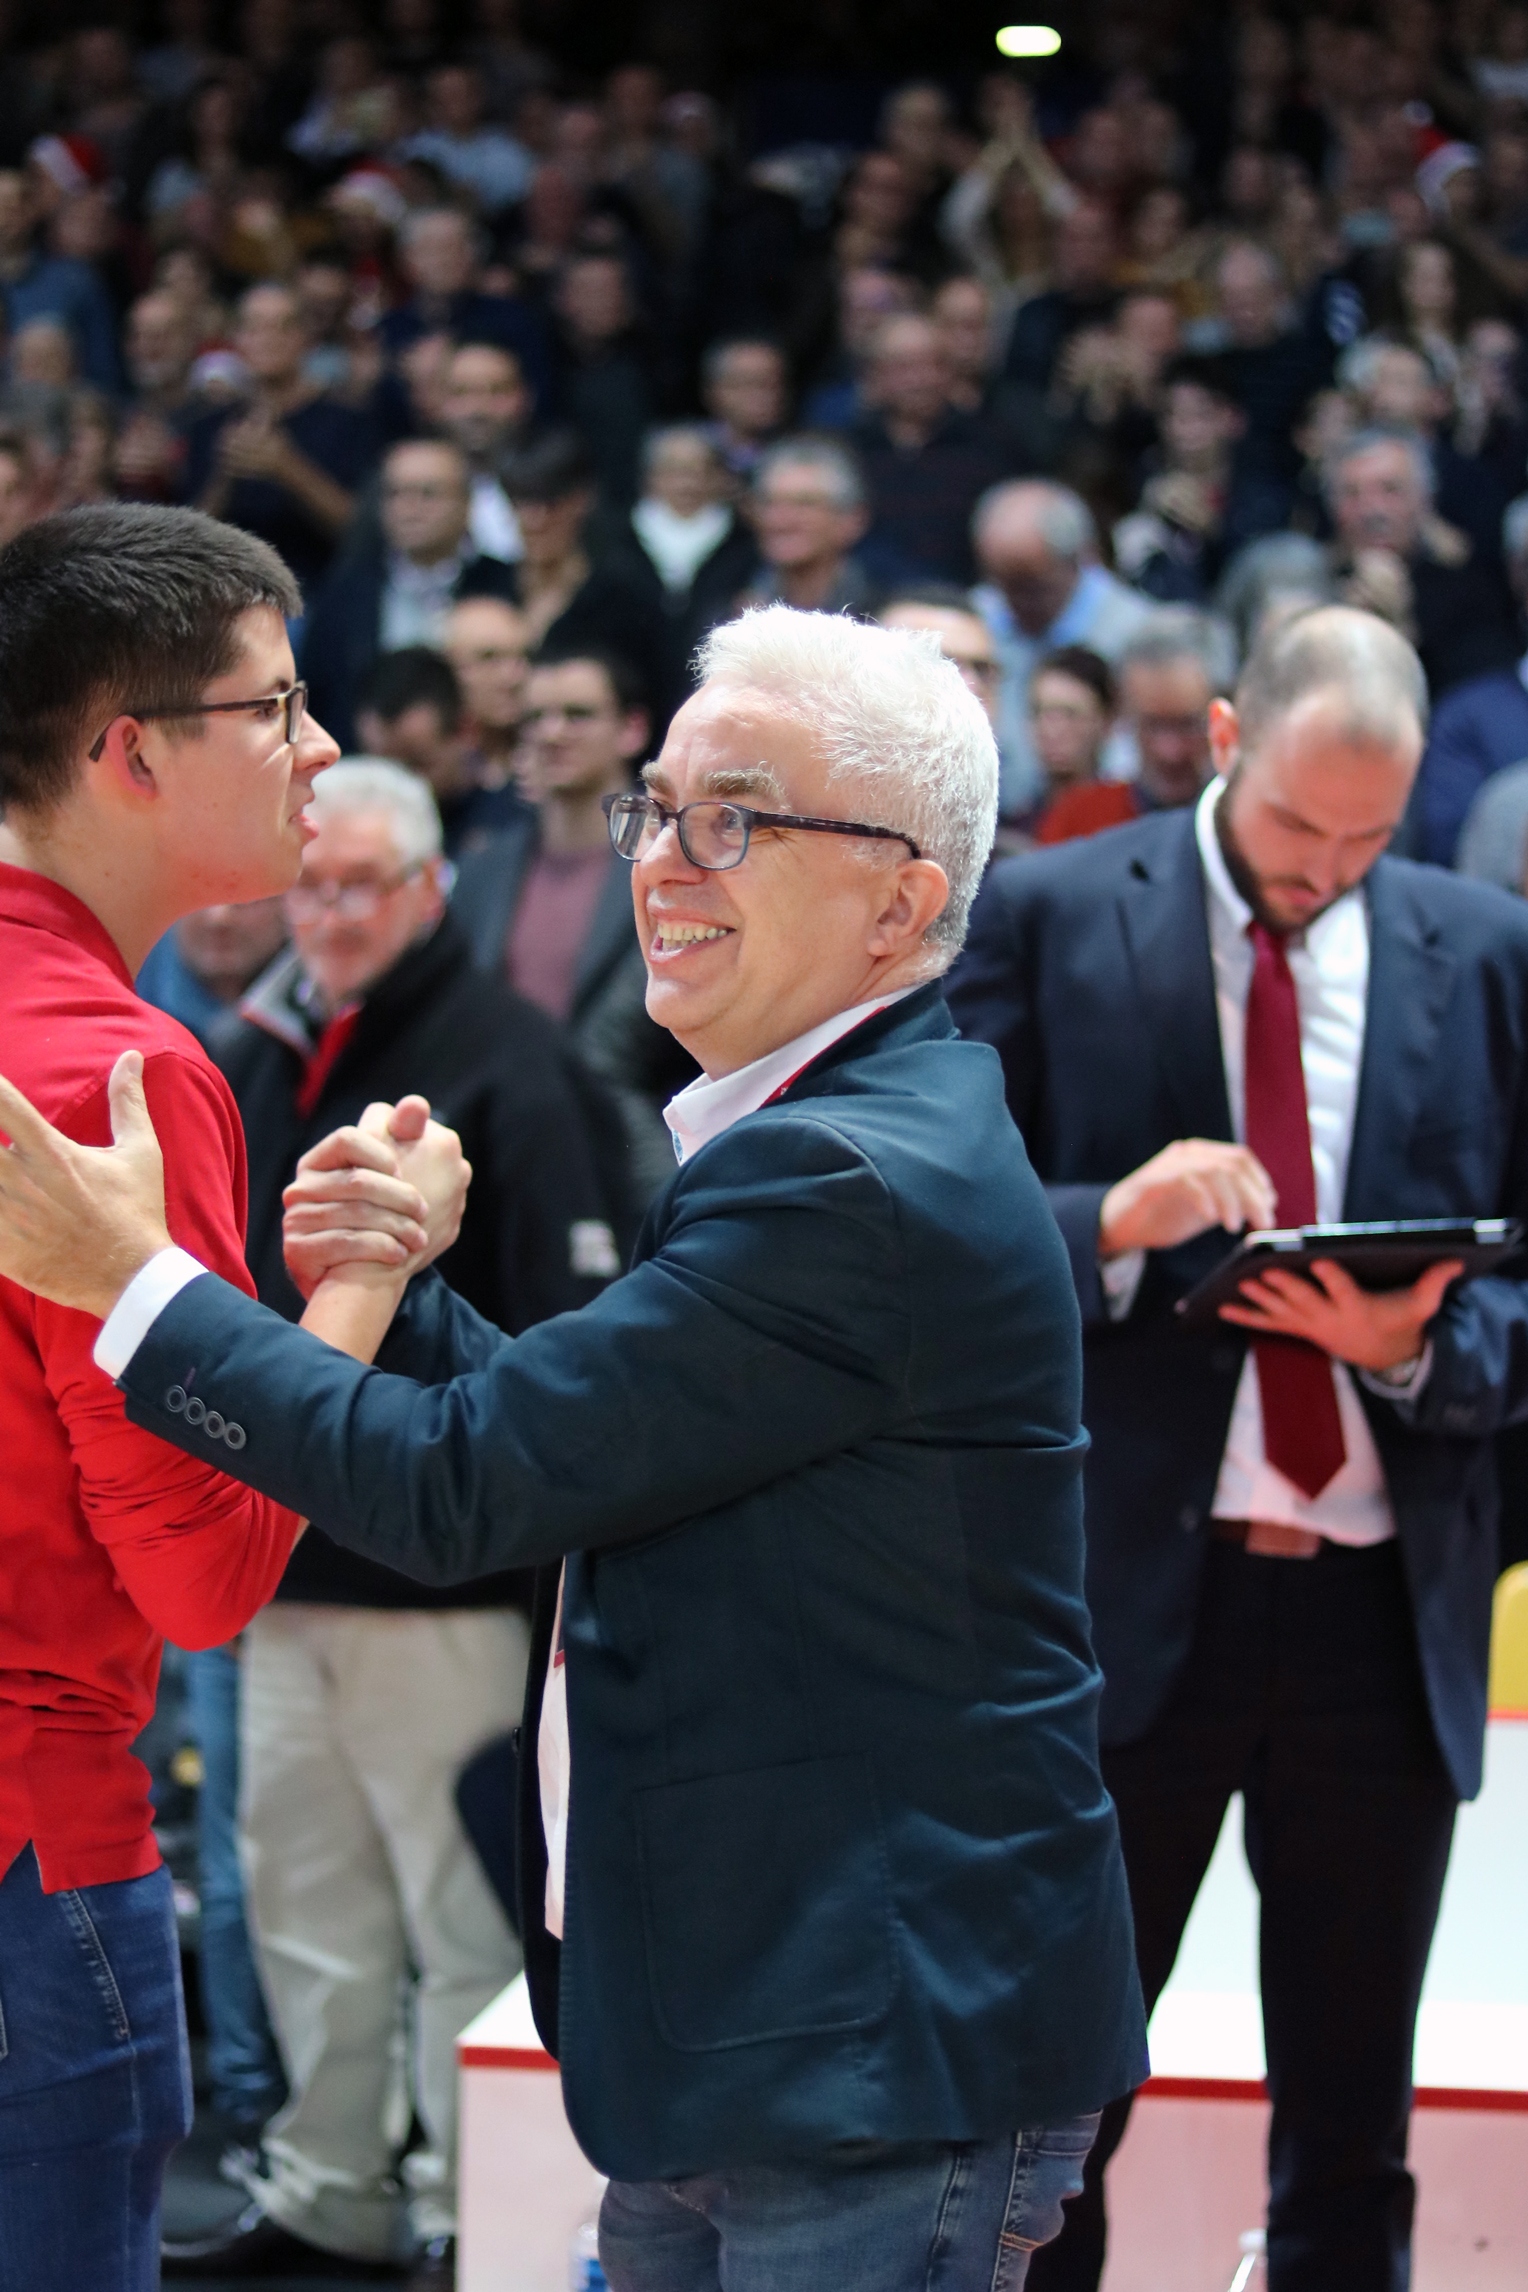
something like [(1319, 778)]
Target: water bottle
[(584, 2271)]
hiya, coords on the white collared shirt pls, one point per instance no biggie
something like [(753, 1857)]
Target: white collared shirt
[(699, 1113), (1330, 966)]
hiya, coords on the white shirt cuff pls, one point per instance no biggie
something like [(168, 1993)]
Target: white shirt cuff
[(1121, 1278), (1405, 1381), (140, 1305)]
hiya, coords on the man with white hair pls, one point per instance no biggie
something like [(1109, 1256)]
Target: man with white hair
[(1043, 587), (1242, 1014), (365, 1694), (1395, 556), (822, 1898)]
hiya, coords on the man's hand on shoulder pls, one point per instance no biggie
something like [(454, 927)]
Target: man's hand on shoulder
[(77, 1222), (1192, 1186)]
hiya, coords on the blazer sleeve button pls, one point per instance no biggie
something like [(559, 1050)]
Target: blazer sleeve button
[(234, 1437), (175, 1400)]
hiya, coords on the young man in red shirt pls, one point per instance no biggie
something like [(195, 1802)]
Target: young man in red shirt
[(154, 758)]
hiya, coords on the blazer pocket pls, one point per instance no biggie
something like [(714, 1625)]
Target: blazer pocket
[(766, 1904)]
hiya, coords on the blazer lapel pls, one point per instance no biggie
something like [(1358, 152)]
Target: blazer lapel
[(1167, 935), (1410, 975)]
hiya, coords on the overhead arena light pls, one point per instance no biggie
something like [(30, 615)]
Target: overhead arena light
[(1028, 40)]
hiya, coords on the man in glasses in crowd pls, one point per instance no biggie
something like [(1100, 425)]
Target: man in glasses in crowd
[(822, 1897), (365, 1694), (154, 759)]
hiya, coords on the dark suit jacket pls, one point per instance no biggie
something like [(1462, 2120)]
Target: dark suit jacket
[(840, 1863), (608, 1020), (1089, 969), (342, 638)]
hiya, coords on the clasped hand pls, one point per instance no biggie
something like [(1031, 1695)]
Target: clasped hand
[(373, 1203)]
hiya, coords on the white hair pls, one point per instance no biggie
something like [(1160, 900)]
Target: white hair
[(374, 784), (897, 723), (1061, 517)]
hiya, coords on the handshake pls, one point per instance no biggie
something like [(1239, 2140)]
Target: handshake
[(369, 1206), (374, 1203)]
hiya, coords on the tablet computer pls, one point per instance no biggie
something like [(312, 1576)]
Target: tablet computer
[(1384, 1256)]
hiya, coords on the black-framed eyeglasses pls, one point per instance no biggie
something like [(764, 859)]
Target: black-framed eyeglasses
[(714, 834), (291, 704)]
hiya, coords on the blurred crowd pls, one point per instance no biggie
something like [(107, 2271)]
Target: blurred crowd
[(533, 377)]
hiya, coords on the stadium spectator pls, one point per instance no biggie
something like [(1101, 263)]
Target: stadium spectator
[(810, 512), (441, 257), (484, 639), (1038, 548), (486, 406), (745, 389), (925, 461), (1083, 294), (685, 542), (375, 604), (199, 970), (1396, 557), (1200, 504), (364, 1693), (567, 597), (548, 905), (38, 285), (286, 462), (410, 711), (607, 389), (947, 613), (1072, 701), (473, 155), (1478, 728)]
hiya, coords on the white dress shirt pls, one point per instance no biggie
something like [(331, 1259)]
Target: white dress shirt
[(1330, 966)]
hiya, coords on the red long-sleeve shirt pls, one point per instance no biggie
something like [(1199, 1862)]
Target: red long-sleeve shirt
[(110, 1542)]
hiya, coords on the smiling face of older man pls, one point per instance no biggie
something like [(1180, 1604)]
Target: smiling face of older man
[(742, 959)]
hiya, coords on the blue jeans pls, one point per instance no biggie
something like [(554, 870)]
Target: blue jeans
[(95, 2080), (243, 2067), (872, 2216)]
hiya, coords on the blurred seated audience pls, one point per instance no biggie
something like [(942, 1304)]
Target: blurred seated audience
[(1478, 727), (567, 592), (287, 461), (607, 388), (410, 711), (1083, 294), (364, 1692), (865, 296), (472, 153), (1395, 386), (440, 254), (1396, 557), (1274, 363), (1168, 673), (685, 542), (745, 390), (810, 512), (946, 612), (925, 462), (1200, 503), (1043, 586), (547, 905), (1269, 580), (34, 284), (401, 595), (198, 971), (159, 345), (1072, 702), (485, 641), (487, 408)]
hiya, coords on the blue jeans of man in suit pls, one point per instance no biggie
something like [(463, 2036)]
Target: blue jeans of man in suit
[(875, 2216), (95, 2079)]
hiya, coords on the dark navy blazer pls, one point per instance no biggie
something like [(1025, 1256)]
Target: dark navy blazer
[(1089, 969), (840, 1863)]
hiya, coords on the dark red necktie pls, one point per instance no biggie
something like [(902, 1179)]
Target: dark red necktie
[(1302, 1431)]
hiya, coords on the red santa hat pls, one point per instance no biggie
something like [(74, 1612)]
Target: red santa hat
[(70, 162)]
